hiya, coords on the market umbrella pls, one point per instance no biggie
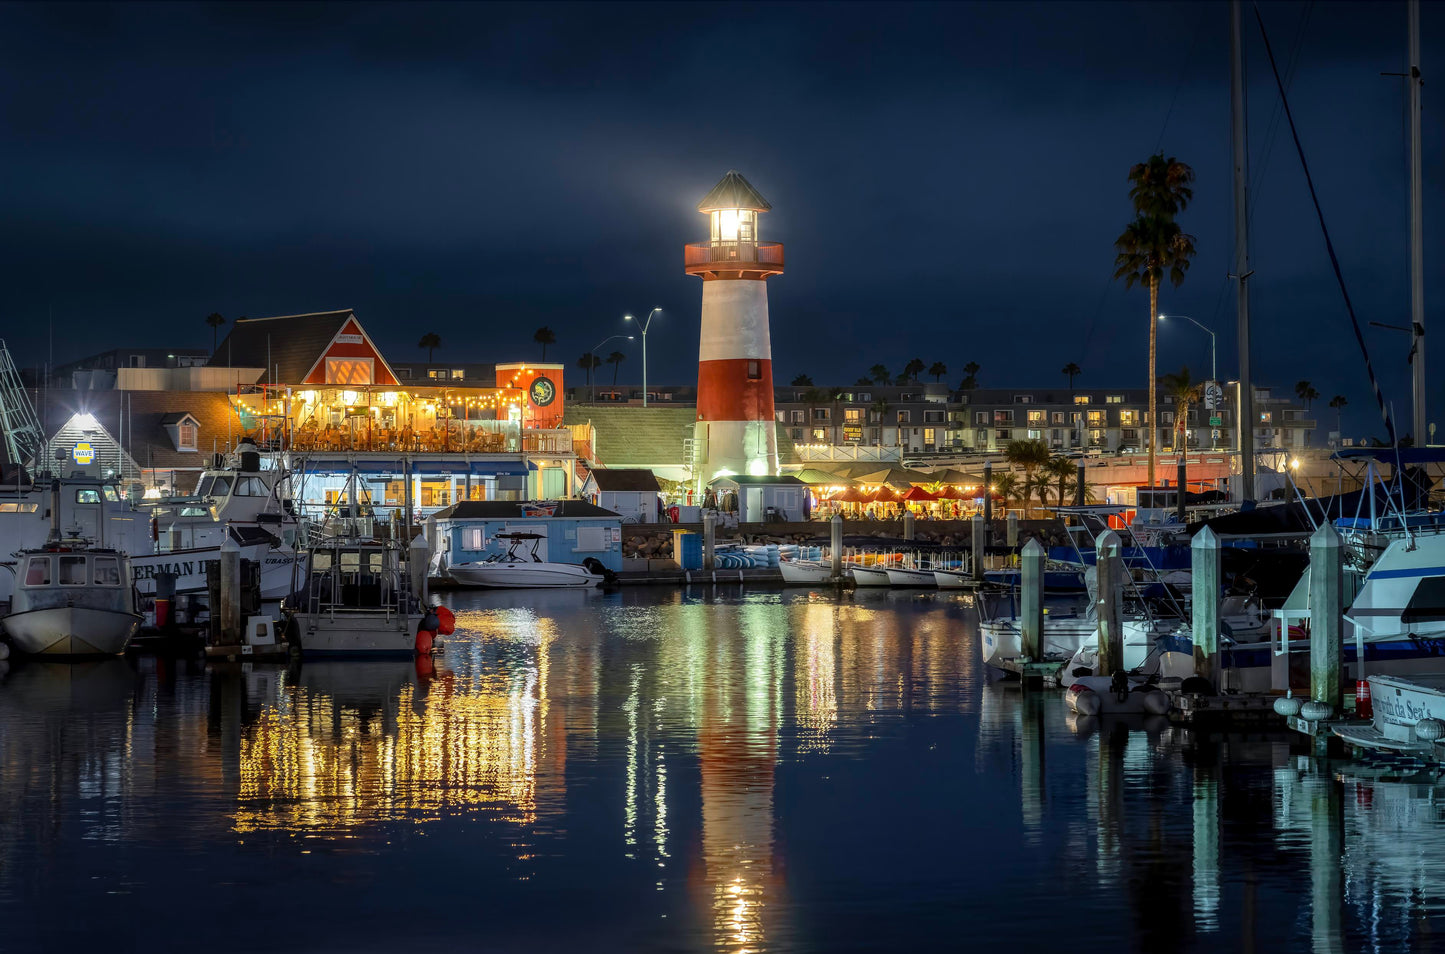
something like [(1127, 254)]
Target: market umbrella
[(950, 492), (919, 494), (852, 495), (886, 494), (812, 475)]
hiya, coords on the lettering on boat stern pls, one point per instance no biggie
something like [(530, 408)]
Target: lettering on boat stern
[(148, 571)]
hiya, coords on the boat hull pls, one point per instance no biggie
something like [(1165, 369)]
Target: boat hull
[(806, 571), (952, 579), (522, 575), (71, 631), (911, 578), (869, 576), (361, 634), (1002, 639)]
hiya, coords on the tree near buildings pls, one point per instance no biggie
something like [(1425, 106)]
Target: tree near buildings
[(1031, 455), (970, 379), (589, 362), (1152, 247), (913, 369), (1071, 371), (615, 359), (214, 321), (1306, 392), (863, 382), (1338, 402), (1186, 391), (544, 336), (880, 374), (938, 370), (802, 381), (430, 341)]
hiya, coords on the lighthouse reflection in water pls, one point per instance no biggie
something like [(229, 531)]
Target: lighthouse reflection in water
[(654, 770)]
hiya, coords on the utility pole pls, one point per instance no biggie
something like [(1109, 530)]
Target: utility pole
[(1238, 125)]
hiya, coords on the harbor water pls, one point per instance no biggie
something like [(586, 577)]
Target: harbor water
[(655, 770)]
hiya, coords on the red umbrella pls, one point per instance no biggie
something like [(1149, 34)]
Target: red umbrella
[(918, 493), (951, 492), (885, 494), (853, 495)]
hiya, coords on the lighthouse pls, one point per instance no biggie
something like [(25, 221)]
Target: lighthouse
[(734, 433)]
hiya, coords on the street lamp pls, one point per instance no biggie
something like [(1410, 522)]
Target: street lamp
[(644, 325), (1213, 354), (596, 348)]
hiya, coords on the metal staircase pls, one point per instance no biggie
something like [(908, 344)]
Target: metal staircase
[(24, 437), (694, 451)]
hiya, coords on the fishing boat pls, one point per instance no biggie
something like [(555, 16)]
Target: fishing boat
[(522, 568), (71, 599), (356, 601)]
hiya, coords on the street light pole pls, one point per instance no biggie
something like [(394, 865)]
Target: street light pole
[(644, 325), (1213, 342)]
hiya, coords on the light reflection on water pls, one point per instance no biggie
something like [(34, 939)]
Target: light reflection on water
[(695, 770)]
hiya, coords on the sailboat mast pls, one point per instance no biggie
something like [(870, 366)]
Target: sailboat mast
[(1237, 115), (1417, 238)]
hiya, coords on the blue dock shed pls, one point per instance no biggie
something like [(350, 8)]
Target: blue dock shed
[(573, 530)]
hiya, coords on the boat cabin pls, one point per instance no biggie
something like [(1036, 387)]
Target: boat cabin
[(355, 577)]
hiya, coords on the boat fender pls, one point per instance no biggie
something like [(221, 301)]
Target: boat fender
[(424, 639), (430, 622), (1316, 710), (447, 621), (1084, 700), (1288, 706), (1155, 702), (1428, 730)]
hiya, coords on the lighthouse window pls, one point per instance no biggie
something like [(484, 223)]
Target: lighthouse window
[(755, 370)]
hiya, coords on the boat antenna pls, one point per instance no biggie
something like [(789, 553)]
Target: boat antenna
[(1329, 245)]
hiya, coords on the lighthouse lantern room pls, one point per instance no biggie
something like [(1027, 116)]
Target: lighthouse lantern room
[(735, 431)]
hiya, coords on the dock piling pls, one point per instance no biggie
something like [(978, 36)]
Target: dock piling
[(1327, 586), (1111, 598), (988, 493), (976, 556), (1011, 529), (909, 530), (836, 547), (709, 540), (417, 556), (1204, 590), (1031, 600), (230, 608)]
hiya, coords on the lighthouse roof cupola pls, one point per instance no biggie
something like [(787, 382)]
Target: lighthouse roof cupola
[(733, 192), (733, 249)]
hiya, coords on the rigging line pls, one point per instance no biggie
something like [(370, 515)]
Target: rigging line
[(1183, 74), (1272, 127), (1329, 245)]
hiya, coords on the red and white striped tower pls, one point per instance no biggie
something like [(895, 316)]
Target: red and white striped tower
[(735, 432)]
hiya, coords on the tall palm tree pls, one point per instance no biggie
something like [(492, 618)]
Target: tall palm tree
[(430, 341), (1185, 391), (938, 370), (214, 321), (1037, 485), (880, 374), (1030, 455), (802, 381), (544, 336), (970, 379), (913, 369), (1152, 246), (1306, 392), (1072, 370), (1065, 470), (863, 382), (588, 362), (1337, 402), (1006, 486), (615, 359)]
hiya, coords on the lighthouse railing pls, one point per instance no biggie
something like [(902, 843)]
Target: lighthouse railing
[(710, 253)]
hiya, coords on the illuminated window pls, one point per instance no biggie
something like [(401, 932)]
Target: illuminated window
[(1114, 399), (1081, 399), (350, 370), (929, 436), (820, 434), (903, 417), (853, 415)]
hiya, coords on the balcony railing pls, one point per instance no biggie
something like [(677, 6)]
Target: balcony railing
[(733, 256)]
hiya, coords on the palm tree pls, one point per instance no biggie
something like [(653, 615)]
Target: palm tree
[(1337, 402), (587, 363), (863, 382), (938, 370), (1038, 485), (1072, 370), (970, 379), (430, 341), (1306, 392), (1006, 486), (913, 369), (1030, 455), (1152, 246), (880, 374), (544, 336), (1065, 470), (1185, 391), (214, 321), (802, 381), (615, 359)]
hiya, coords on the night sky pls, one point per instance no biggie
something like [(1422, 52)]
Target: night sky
[(948, 180)]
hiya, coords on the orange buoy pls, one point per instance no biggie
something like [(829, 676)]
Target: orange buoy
[(424, 639), (448, 622)]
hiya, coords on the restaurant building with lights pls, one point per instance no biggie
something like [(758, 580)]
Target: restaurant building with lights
[(315, 393)]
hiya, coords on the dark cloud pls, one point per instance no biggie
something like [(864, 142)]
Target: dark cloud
[(949, 179)]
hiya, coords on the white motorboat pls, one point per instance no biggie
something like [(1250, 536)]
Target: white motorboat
[(869, 575), (1002, 638), (517, 569), (952, 579), (72, 599), (1401, 704), (907, 576), (806, 571)]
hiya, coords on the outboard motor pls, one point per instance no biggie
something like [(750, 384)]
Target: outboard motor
[(595, 565)]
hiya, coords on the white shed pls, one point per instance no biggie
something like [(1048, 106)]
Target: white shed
[(633, 493), (765, 499)]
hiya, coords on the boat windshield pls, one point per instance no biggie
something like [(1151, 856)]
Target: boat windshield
[(37, 571), (107, 570), (72, 571)]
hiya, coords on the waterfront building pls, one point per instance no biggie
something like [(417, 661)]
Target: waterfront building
[(632, 492), (570, 531), (734, 433)]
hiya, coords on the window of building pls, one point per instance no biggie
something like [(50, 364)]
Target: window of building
[(821, 413), (930, 436), (797, 434), (1058, 417), (1037, 417), (1035, 434), (865, 397), (933, 417), (1114, 399), (755, 370), (1003, 418), (853, 415), (1003, 435), (404, 373), (980, 417), (1023, 399), (820, 434), (1097, 418), (1130, 435), (1166, 417), (186, 436), (437, 374), (1265, 417), (782, 416), (1129, 417), (798, 416), (458, 374), (474, 538), (905, 397), (1081, 399), (904, 417)]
